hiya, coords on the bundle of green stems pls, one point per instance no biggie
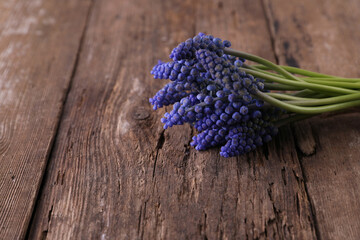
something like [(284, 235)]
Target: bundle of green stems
[(300, 92)]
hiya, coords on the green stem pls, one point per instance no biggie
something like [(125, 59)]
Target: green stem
[(312, 86), (335, 79), (296, 71), (334, 83), (311, 93), (316, 102), (306, 110), (304, 93), (251, 67), (329, 79), (262, 71), (263, 61), (286, 96), (282, 87), (322, 95)]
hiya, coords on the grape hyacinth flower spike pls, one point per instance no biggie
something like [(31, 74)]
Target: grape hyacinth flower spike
[(231, 104)]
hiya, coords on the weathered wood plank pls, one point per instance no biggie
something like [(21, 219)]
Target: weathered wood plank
[(34, 77), (271, 201), (103, 159), (325, 37), (115, 173)]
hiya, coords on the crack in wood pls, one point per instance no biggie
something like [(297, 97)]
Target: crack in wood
[(140, 227), (278, 220), (184, 164), (272, 28), (159, 145), (202, 225), (50, 212), (61, 116), (45, 232), (283, 175), (300, 157), (297, 204)]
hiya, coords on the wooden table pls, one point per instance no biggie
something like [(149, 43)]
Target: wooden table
[(83, 156)]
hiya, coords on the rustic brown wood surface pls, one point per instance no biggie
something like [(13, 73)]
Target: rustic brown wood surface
[(74, 89), (324, 38), (39, 42)]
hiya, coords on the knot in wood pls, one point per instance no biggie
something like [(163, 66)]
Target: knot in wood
[(141, 113)]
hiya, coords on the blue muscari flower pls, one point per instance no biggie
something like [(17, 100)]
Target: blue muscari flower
[(209, 138), (210, 92), (187, 49), (223, 70), (184, 70), (246, 137), (181, 113), (169, 94)]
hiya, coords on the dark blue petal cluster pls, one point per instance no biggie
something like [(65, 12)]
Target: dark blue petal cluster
[(245, 137), (187, 49), (169, 94), (183, 70), (210, 92)]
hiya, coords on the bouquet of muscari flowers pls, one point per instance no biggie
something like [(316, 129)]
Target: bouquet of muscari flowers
[(234, 105)]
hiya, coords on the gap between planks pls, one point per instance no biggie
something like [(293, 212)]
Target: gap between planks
[(73, 73), (272, 24)]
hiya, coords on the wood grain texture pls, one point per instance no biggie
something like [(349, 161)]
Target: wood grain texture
[(115, 173), (34, 78), (324, 36)]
